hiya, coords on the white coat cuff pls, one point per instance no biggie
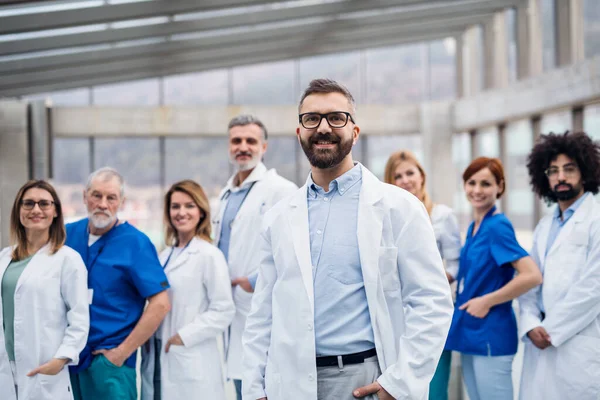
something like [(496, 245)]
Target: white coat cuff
[(253, 395), (391, 388), (187, 337), (66, 352), (527, 323)]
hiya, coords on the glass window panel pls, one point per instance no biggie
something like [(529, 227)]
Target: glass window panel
[(557, 122), (461, 157), (487, 142), (342, 67), (380, 148), (70, 169), (511, 43), (202, 159), (136, 93), (520, 199), (548, 11), (271, 83), (591, 27), (75, 97), (395, 75), (138, 160), (591, 121), (442, 69), (203, 88), (281, 155)]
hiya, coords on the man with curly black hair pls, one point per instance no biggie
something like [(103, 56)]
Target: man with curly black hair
[(560, 319)]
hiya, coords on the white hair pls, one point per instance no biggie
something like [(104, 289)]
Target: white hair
[(106, 174)]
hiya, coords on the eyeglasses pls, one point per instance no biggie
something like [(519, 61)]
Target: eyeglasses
[(568, 169), (30, 204), (336, 119)]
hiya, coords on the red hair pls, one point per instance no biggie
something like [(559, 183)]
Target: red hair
[(495, 167)]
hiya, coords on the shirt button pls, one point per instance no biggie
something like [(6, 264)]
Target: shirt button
[(319, 232), (310, 327), (325, 198), (311, 377), (342, 190)]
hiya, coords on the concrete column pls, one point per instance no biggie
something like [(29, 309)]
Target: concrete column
[(40, 140), (500, 50), (489, 61), (471, 53), (523, 41), (14, 159), (569, 37), (536, 61)]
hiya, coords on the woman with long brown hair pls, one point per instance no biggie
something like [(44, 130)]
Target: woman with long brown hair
[(404, 170), (182, 360), (44, 295)]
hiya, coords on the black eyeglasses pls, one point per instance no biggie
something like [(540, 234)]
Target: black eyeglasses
[(336, 119), (30, 204)]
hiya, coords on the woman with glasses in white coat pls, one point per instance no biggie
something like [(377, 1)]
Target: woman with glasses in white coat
[(44, 293), (182, 360)]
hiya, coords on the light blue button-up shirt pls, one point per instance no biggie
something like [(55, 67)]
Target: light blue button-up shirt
[(235, 201), (558, 223), (342, 320)]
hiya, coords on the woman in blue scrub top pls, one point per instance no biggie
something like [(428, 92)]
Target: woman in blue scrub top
[(484, 328)]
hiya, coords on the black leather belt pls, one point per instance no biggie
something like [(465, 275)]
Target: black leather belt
[(340, 361)]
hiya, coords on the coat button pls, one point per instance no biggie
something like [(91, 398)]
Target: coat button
[(311, 377), (310, 327)]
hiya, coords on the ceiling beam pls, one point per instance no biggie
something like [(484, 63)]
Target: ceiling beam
[(246, 56), (278, 43), (429, 10)]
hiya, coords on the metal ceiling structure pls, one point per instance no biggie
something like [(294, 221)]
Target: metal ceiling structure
[(57, 45)]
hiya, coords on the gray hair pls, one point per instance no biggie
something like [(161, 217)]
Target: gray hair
[(247, 119), (106, 174), (324, 86)]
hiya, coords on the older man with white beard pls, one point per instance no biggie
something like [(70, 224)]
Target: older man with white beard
[(123, 272), (249, 193)]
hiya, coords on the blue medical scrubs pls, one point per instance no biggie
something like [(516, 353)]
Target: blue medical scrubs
[(123, 271), (485, 266)]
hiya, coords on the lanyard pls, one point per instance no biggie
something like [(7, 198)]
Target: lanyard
[(172, 250), (102, 243)]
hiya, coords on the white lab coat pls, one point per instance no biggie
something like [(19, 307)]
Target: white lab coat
[(243, 257), (407, 292), (570, 294), (51, 321), (201, 309)]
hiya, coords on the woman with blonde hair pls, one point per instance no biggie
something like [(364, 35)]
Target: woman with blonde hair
[(404, 170), (182, 359), (44, 296)]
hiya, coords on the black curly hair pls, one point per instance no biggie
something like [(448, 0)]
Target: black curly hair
[(577, 146)]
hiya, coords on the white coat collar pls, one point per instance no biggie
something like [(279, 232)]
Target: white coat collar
[(193, 248), (370, 222), (580, 215), (28, 271), (256, 175)]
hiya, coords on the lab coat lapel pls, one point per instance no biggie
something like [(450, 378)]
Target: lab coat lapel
[(298, 219), (4, 261), (370, 225), (542, 240), (183, 257), (36, 261)]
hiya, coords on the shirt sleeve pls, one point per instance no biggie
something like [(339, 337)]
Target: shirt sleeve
[(505, 248), (146, 272)]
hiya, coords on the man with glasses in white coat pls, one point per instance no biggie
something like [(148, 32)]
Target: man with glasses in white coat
[(352, 300), (249, 193), (560, 319)]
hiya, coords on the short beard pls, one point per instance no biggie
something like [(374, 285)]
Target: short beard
[(566, 195), (101, 223), (325, 158)]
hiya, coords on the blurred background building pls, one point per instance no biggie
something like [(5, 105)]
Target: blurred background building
[(148, 87)]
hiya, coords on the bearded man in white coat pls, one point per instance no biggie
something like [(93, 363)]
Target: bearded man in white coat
[(352, 299), (249, 193), (560, 320)]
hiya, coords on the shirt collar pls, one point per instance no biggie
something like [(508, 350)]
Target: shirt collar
[(341, 184), (571, 210), (256, 175)]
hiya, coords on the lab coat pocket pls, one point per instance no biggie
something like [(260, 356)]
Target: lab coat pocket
[(578, 364), (55, 386), (184, 364), (388, 268)]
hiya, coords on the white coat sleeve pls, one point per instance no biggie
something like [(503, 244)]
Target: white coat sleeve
[(581, 305), (530, 315), (74, 291), (257, 334), (427, 306), (450, 243), (219, 314)]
